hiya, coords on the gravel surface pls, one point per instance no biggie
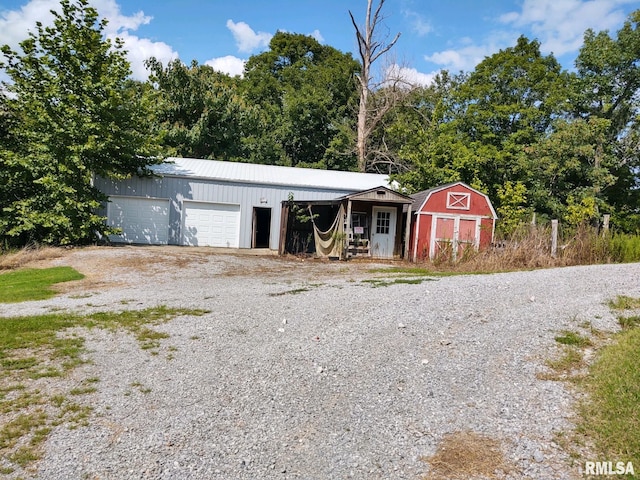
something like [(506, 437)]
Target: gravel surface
[(306, 370)]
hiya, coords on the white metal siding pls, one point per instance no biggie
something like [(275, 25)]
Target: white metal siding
[(142, 220), (211, 224), (192, 189)]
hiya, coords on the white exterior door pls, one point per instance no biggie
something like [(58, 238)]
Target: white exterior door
[(142, 220), (383, 232), (210, 224)]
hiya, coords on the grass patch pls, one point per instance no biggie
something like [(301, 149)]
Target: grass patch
[(628, 323), (49, 346), (295, 291), (463, 455), (623, 302), (608, 425), (33, 284), (573, 339), (610, 417), (569, 361), (422, 272), (375, 283)]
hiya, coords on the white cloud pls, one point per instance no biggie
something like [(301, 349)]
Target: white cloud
[(247, 40), (420, 25), (559, 25), (141, 49), (464, 58), (317, 35), (230, 65), (410, 76), (15, 25)]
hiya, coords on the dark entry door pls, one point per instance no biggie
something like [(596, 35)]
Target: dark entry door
[(261, 227)]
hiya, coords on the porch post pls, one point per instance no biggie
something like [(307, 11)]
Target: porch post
[(347, 230), (284, 225), (407, 233)]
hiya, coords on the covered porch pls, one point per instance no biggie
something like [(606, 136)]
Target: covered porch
[(373, 223)]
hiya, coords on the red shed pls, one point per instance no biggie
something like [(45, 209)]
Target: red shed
[(450, 218)]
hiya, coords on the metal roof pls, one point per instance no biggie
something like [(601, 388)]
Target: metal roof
[(269, 174)]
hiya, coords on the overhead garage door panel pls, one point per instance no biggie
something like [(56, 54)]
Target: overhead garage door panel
[(211, 224), (142, 220)]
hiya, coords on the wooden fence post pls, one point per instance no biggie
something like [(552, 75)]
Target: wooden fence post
[(554, 238), (605, 224)]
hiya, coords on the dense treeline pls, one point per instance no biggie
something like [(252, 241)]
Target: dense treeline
[(534, 136)]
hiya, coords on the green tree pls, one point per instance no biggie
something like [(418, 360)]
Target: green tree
[(199, 111), (607, 88), (74, 115), (512, 211), (477, 127), (570, 164), (510, 101), (422, 131), (305, 94)]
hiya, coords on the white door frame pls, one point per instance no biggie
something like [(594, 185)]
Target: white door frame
[(390, 244)]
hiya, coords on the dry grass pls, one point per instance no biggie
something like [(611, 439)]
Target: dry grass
[(467, 455), (530, 248), (29, 256)]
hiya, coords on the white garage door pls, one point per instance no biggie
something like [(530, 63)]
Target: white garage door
[(211, 224), (142, 220)]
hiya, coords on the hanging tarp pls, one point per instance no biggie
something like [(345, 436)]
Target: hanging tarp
[(330, 243)]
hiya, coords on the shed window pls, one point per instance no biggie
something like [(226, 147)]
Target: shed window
[(383, 220), (360, 224), (458, 201)]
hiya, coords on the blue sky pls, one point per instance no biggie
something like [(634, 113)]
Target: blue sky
[(435, 34)]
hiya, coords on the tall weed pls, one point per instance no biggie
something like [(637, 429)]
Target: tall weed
[(529, 246)]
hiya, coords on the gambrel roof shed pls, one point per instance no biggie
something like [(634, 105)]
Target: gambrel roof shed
[(449, 219)]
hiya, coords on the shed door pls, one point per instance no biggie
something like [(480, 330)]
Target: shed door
[(142, 220), (451, 236), (210, 224), (466, 238), (383, 232)]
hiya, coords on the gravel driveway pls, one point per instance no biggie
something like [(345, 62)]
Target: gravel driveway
[(307, 370)]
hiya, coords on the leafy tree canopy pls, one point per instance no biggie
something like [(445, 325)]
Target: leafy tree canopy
[(306, 95), (74, 114), (200, 112)]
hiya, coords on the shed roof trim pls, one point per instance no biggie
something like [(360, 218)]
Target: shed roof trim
[(397, 196), (421, 198), (269, 174)]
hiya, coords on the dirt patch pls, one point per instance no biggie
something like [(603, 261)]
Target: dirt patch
[(467, 455), (115, 266)]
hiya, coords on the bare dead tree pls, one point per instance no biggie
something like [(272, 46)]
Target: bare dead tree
[(370, 49)]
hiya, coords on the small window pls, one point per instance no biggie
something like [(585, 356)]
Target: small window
[(458, 201), (383, 220)]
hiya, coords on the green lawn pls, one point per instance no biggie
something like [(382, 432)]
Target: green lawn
[(610, 415), (33, 284)]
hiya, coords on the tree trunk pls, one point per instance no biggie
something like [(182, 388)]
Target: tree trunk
[(370, 50)]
